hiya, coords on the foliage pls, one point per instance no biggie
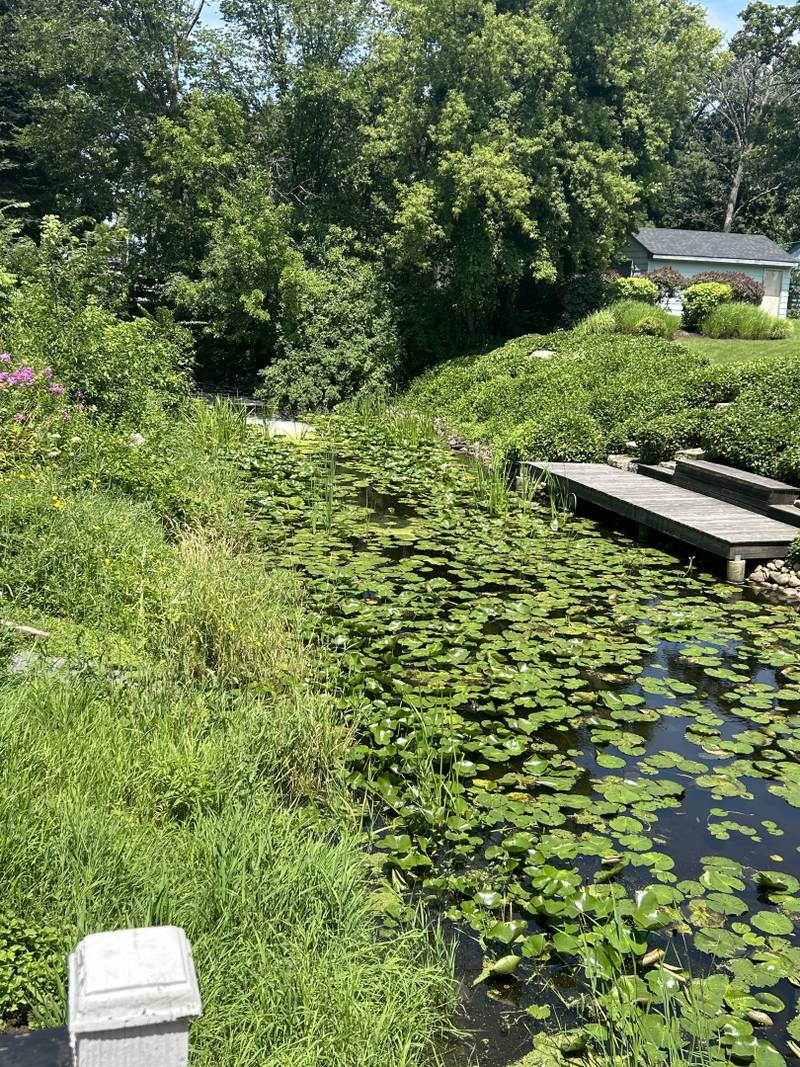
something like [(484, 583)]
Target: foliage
[(585, 294), (586, 398), (471, 179), (636, 317), (661, 437), (700, 300), (602, 321), (336, 337), (61, 314), (745, 321), (760, 431), (793, 555), (28, 953), (744, 289), (642, 289), (669, 281)]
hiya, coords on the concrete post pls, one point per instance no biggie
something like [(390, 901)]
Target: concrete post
[(736, 570), (132, 994)]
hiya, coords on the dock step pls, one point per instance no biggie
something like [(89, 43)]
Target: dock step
[(698, 519), (732, 485)]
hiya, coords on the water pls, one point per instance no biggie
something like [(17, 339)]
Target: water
[(470, 639)]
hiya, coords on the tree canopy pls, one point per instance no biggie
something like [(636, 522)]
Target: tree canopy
[(319, 179)]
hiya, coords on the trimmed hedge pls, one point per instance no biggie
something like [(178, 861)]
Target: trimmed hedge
[(744, 289), (636, 289)]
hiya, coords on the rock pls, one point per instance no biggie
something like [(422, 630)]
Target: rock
[(542, 353), (721, 407), (794, 581), (780, 578), (691, 453), (758, 575), (623, 462), (631, 446)]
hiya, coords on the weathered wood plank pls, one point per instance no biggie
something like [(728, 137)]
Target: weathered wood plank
[(712, 525)]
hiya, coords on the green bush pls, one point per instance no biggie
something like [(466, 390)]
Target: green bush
[(581, 403), (700, 300), (793, 555), (567, 436), (585, 294), (660, 438), (642, 289), (336, 337), (745, 321)]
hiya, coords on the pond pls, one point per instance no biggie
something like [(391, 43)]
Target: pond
[(579, 751)]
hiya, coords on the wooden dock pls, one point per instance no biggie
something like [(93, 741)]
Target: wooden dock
[(716, 526)]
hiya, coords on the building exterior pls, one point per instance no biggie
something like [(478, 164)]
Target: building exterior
[(692, 251)]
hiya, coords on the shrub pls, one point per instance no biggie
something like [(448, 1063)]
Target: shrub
[(28, 955), (660, 438), (669, 281), (636, 289), (745, 321), (336, 336), (744, 289), (700, 300), (585, 293), (562, 435)]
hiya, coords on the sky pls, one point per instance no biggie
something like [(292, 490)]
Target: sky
[(724, 14)]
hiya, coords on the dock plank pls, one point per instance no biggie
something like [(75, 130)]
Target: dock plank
[(705, 522)]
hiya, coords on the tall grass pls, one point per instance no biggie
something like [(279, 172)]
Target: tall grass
[(631, 316), (198, 782), (746, 322)]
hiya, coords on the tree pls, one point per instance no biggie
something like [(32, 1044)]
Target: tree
[(738, 164)]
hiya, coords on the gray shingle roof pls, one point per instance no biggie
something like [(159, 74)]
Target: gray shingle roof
[(699, 244)]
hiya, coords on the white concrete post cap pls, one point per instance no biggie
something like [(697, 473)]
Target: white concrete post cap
[(128, 978)]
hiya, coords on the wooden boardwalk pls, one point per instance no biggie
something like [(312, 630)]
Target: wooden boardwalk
[(712, 525)]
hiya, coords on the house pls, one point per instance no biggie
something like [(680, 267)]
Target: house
[(794, 252), (693, 251)]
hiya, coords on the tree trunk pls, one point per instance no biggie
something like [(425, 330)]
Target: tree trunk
[(733, 196)]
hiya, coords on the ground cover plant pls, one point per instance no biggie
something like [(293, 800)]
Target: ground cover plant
[(634, 316), (580, 751), (595, 393)]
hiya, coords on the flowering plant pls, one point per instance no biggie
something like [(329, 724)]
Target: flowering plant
[(33, 410)]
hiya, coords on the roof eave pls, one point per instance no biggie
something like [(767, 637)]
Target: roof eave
[(785, 263)]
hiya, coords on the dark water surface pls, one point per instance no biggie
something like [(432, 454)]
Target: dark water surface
[(517, 672)]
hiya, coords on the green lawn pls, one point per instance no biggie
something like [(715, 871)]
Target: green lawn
[(735, 351)]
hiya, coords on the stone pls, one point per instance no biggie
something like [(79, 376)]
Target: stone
[(758, 575), (691, 453), (780, 578), (542, 353), (622, 462), (131, 996), (721, 407), (794, 581)]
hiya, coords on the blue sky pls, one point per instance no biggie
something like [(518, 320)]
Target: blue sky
[(721, 13)]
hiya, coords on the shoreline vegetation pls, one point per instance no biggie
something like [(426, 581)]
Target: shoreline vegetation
[(171, 754)]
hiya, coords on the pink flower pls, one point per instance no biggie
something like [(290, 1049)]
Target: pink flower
[(56, 390), (48, 373), (65, 415), (20, 417), (5, 357)]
